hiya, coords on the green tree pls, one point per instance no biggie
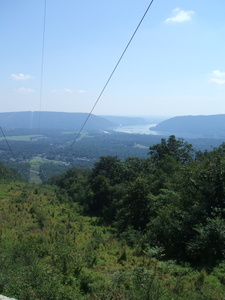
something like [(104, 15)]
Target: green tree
[(207, 248), (109, 167), (180, 150), (135, 207), (101, 193)]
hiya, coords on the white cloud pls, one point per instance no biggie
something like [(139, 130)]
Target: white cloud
[(218, 73), (24, 90), (217, 77), (179, 16), (20, 76), (62, 91), (81, 91)]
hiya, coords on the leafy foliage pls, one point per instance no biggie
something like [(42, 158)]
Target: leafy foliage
[(171, 196), (178, 149), (8, 174), (142, 228)]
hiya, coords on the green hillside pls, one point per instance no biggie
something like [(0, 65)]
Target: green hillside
[(194, 126), (8, 174), (51, 120), (143, 228)]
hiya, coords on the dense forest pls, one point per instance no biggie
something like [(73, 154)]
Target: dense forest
[(49, 152), (196, 126), (51, 120), (137, 228)]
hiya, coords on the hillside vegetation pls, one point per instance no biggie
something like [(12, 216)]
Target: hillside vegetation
[(51, 120), (195, 126), (143, 228)]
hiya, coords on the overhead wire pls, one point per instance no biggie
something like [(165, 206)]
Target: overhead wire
[(41, 81), (102, 91), (42, 70), (110, 77), (42, 64), (7, 143)]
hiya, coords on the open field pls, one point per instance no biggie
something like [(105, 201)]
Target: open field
[(34, 170), (23, 138)]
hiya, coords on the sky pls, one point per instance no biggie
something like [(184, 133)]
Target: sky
[(174, 66)]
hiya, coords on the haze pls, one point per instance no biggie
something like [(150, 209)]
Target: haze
[(174, 66)]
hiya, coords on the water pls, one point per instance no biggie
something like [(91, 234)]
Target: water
[(137, 129), (145, 129)]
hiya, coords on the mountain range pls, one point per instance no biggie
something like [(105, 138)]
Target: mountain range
[(212, 126), (52, 120), (195, 126)]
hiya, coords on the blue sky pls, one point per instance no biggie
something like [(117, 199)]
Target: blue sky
[(174, 66)]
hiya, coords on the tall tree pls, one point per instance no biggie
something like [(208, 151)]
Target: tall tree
[(180, 150)]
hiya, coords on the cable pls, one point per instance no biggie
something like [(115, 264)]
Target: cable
[(111, 75), (42, 64), (7, 143)]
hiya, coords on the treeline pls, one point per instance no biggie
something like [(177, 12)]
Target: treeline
[(8, 174), (150, 228), (55, 145), (174, 200)]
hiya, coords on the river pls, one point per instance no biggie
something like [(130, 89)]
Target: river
[(137, 129)]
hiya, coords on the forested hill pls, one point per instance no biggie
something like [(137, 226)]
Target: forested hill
[(150, 228), (126, 121), (208, 126), (8, 174), (52, 120)]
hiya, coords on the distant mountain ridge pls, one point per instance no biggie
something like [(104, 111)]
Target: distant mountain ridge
[(206, 126), (52, 120), (126, 121), (130, 120)]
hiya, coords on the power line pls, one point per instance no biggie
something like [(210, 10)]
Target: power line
[(110, 77), (42, 63), (7, 143), (41, 85)]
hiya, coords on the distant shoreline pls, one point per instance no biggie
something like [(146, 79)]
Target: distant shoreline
[(137, 129)]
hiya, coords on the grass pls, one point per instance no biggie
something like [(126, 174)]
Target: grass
[(34, 170), (81, 135), (69, 132), (22, 138), (40, 232), (3, 193)]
